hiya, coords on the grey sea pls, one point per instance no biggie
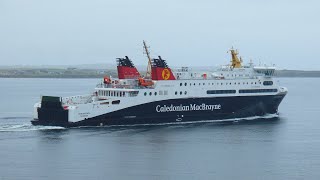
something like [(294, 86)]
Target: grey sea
[(283, 147)]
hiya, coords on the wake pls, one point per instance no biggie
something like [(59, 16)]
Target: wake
[(25, 127), (17, 127)]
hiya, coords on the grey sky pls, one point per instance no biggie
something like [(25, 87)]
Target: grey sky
[(184, 32)]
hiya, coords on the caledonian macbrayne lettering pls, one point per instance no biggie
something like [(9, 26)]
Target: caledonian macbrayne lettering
[(191, 107)]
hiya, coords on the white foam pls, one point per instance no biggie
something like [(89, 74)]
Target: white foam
[(25, 127)]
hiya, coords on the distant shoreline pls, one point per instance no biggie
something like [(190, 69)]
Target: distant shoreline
[(98, 73)]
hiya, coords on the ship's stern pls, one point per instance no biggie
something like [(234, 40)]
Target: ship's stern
[(50, 112)]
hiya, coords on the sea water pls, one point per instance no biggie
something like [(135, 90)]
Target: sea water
[(286, 146)]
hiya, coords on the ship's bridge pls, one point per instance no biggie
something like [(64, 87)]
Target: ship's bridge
[(105, 93), (264, 70)]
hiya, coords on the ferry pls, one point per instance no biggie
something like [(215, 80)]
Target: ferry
[(167, 96)]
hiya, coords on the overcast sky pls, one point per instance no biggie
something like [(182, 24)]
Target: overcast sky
[(184, 32)]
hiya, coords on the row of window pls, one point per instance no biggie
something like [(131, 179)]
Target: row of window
[(241, 91), (221, 91), (155, 93), (118, 93), (232, 91), (176, 93), (166, 93), (113, 102), (111, 93), (239, 75), (266, 83), (257, 90)]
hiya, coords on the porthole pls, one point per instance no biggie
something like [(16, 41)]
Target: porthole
[(155, 93), (204, 83), (145, 93), (180, 92), (150, 93), (194, 84), (185, 84), (199, 84), (180, 84), (176, 93), (185, 92)]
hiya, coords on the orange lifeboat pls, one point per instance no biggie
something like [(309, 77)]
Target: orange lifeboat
[(107, 80), (143, 82)]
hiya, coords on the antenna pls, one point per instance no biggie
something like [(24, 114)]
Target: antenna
[(251, 63), (148, 74)]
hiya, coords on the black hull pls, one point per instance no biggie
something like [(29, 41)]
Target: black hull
[(230, 107)]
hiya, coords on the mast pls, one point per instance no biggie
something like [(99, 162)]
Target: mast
[(148, 74)]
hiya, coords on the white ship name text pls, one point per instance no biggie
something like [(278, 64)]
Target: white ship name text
[(191, 107)]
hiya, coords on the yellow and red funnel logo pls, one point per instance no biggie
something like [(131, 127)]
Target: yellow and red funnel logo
[(159, 73), (165, 74)]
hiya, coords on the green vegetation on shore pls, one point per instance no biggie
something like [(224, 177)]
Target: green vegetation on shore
[(98, 73)]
